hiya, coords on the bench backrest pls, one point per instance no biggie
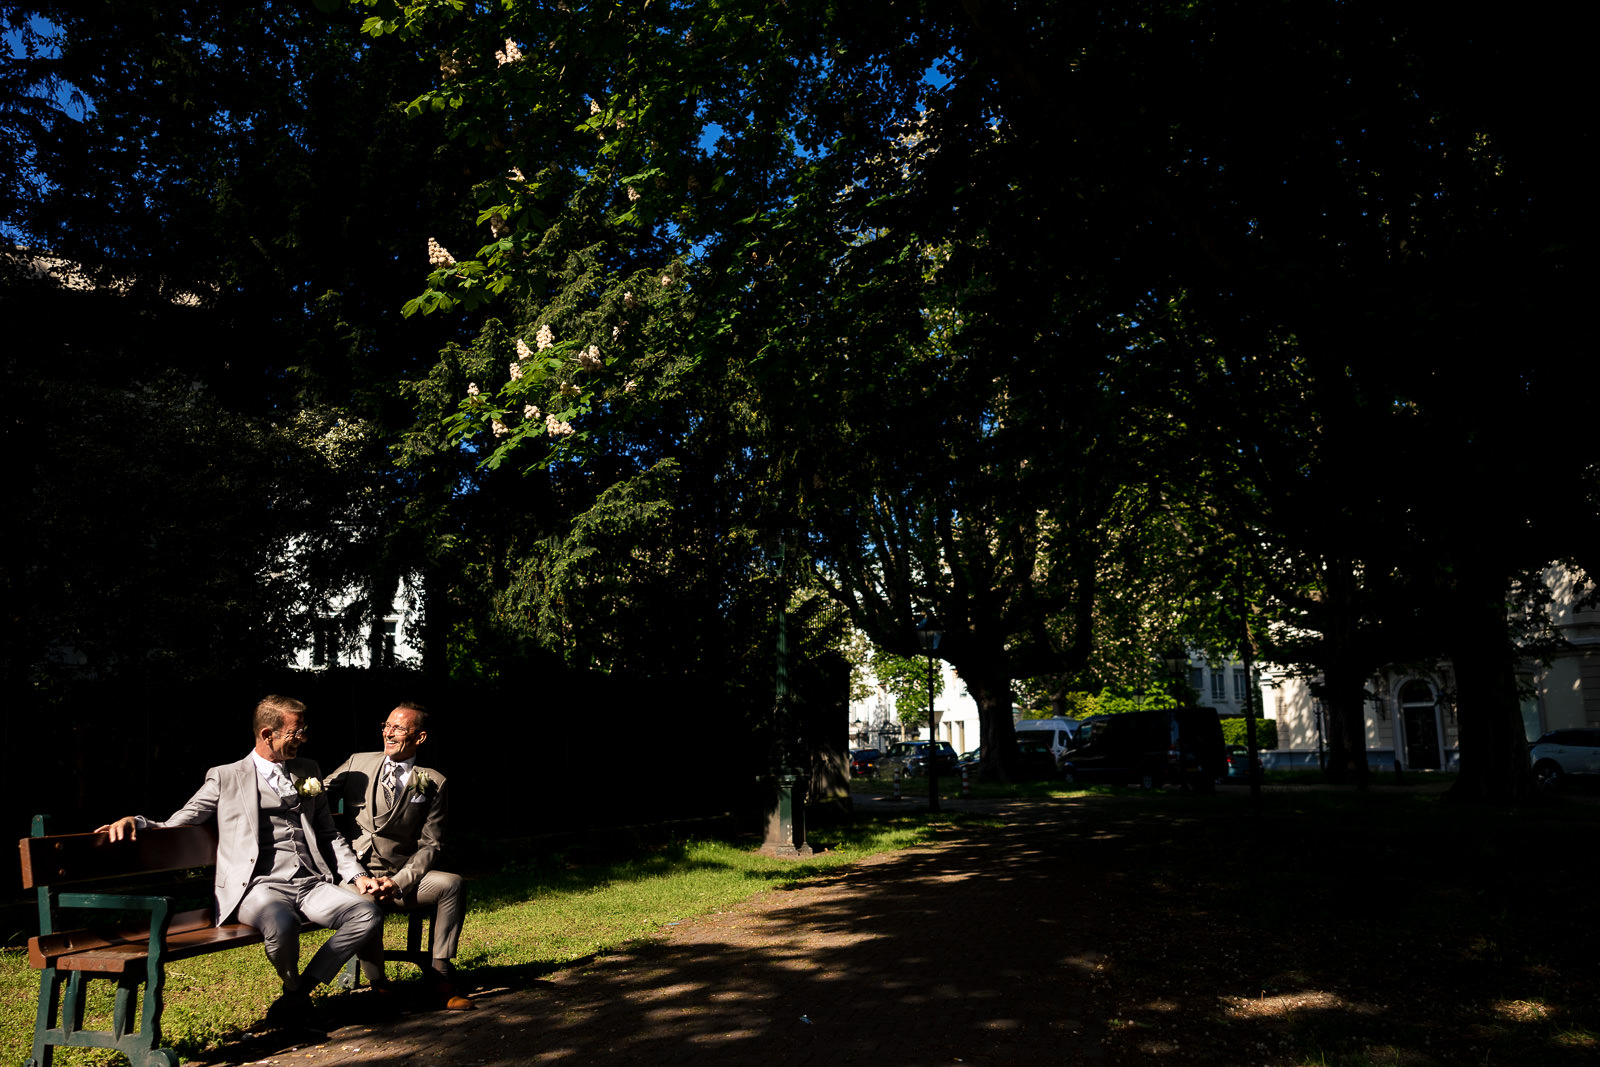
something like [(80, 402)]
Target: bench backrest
[(61, 859)]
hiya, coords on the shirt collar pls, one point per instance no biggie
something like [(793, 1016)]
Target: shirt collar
[(266, 766)]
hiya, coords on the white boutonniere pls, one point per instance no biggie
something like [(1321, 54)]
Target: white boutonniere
[(420, 780), (308, 787)]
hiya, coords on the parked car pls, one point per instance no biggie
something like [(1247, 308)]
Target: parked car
[(862, 760), (1034, 758), (1180, 746), (1059, 733), (1239, 761), (1561, 753), (911, 759)]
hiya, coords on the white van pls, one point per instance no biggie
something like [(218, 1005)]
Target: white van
[(1062, 733)]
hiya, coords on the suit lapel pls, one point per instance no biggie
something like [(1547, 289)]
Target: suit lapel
[(247, 794), (304, 809), (374, 792)]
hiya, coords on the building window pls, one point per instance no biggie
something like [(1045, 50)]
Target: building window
[(1219, 685), (391, 628), (1241, 686), (324, 642), (1197, 680)]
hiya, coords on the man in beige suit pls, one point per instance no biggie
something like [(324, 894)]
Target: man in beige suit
[(279, 858), (394, 815)]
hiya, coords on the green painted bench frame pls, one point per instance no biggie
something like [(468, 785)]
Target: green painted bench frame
[(133, 955), (415, 951), (423, 914)]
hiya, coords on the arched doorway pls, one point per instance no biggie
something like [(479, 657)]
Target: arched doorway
[(1419, 721)]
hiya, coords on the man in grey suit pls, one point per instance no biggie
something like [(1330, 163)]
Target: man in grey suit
[(394, 815), (280, 860)]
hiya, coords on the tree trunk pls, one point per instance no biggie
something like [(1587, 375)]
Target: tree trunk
[(1494, 752), (1344, 699), (991, 690)]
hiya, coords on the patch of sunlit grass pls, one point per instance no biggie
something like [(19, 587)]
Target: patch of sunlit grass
[(1520, 1011)]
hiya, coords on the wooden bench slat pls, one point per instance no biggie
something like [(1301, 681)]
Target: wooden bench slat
[(130, 956), (89, 950), (61, 859), (46, 949)]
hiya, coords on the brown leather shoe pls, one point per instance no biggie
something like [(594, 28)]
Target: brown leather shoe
[(449, 999)]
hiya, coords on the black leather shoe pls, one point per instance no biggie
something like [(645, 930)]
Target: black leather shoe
[(293, 1011)]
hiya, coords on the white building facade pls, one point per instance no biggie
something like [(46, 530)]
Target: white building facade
[(392, 640), (1410, 713), (874, 722)]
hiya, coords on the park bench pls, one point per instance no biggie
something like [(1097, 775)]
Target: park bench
[(130, 952)]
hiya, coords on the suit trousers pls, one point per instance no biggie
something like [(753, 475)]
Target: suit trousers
[(277, 909), (447, 893)]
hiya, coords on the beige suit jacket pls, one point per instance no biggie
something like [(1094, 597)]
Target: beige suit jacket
[(231, 796), (404, 841)]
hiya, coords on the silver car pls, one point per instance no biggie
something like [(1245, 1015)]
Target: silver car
[(1562, 752)]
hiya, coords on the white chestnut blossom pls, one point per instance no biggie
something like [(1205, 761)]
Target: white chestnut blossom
[(568, 389), (545, 337), (472, 388), (437, 256), (523, 351), (630, 385), (510, 55), (530, 412), (633, 195), (555, 427), (589, 358), (500, 429), (629, 301), (516, 372), (498, 226)]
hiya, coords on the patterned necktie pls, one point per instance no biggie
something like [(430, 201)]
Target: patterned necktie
[(391, 783)]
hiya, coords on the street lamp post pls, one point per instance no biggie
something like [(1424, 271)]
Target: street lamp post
[(786, 826), (928, 636)]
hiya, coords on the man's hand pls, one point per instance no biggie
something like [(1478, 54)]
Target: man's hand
[(366, 885), (387, 890), (123, 827)]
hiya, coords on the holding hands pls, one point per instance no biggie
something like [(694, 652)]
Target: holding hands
[(382, 887)]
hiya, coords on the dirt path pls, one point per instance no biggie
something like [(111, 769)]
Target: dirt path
[(863, 967)]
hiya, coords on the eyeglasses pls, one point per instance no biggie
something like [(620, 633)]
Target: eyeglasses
[(386, 729), (301, 732)]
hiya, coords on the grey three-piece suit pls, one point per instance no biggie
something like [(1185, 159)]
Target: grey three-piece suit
[(280, 860)]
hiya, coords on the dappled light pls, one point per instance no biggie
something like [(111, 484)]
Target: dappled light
[(1137, 929)]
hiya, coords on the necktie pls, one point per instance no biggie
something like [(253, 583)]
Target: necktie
[(391, 783)]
